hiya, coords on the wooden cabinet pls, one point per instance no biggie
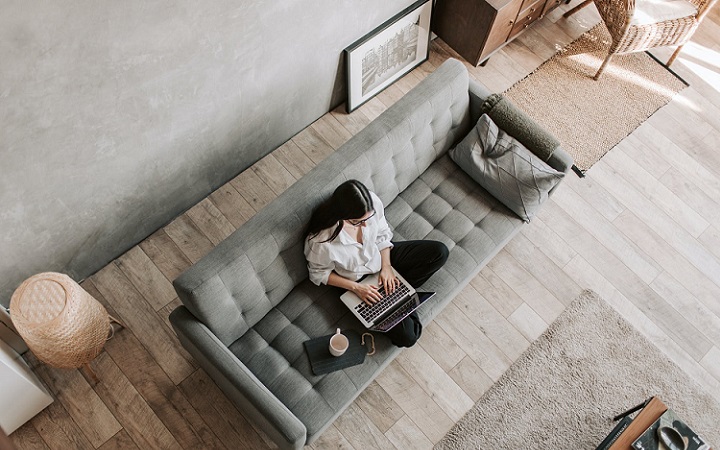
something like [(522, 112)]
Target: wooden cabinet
[(477, 28), (527, 15), (550, 5)]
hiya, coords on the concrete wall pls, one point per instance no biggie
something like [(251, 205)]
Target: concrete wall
[(116, 116)]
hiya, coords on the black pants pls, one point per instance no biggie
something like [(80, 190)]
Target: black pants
[(416, 261)]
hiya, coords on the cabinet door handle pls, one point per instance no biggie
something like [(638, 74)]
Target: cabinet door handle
[(532, 10), (511, 22)]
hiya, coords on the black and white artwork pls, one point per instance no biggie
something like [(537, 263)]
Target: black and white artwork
[(387, 53)]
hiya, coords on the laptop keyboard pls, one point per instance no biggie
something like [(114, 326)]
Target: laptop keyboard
[(396, 317), (372, 312)]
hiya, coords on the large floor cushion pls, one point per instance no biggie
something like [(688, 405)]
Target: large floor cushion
[(443, 204)]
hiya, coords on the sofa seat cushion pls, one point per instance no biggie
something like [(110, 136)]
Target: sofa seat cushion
[(443, 204), (274, 352), (446, 205)]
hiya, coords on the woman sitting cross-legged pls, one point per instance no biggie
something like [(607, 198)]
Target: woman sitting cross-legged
[(349, 238)]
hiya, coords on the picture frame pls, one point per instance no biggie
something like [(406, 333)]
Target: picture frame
[(387, 53)]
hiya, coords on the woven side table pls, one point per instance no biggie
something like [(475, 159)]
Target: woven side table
[(61, 323)]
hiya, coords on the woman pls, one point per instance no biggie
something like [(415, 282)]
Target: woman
[(348, 238)]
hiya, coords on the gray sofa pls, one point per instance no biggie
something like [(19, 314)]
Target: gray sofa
[(249, 306)]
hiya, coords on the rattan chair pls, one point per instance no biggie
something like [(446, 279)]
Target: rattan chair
[(639, 25)]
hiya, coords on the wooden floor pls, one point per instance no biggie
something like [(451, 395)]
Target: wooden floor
[(641, 229)]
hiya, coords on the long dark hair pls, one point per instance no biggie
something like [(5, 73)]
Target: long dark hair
[(351, 200)]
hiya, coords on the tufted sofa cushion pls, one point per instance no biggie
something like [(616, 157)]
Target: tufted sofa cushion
[(255, 268), (442, 204)]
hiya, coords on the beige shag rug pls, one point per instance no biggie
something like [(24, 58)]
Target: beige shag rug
[(561, 393), (590, 117)]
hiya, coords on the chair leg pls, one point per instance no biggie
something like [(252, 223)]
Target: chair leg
[(602, 67), (674, 55), (577, 8)]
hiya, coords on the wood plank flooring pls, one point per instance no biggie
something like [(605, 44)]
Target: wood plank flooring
[(641, 230)]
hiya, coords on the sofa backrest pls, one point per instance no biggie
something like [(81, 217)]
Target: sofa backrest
[(251, 271)]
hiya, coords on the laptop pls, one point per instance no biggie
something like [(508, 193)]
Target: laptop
[(391, 309)]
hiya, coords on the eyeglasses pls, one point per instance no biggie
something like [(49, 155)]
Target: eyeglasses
[(360, 222)]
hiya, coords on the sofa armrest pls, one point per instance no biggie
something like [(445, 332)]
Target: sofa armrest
[(560, 160), (478, 94), (238, 383)]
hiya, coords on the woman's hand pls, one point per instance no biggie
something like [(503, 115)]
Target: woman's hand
[(367, 293), (388, 279)]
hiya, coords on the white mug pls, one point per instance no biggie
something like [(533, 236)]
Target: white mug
[(338, 343)]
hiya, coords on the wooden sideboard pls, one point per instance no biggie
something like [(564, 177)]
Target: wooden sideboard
[(477, 28)]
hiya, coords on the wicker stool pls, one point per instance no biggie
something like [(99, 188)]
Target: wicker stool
[(61, 323)]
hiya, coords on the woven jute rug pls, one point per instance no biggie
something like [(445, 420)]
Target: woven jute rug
[(589, 365), (590, 117)]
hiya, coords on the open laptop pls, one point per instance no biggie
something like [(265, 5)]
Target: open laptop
[(391, 310)]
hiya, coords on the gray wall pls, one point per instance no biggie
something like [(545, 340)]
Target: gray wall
[(116, 116)]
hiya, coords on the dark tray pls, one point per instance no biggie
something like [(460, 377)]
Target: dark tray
[(321, 361)]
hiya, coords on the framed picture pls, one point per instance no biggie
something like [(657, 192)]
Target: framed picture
[(387, 53)]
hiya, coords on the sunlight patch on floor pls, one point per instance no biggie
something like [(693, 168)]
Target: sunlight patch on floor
[(614, 72), (712, 77), (703, 61), (699, 52)]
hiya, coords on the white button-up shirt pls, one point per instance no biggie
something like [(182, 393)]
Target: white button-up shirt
[(345, 255)]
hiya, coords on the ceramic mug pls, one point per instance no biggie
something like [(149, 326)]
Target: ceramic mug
[(339, 343)]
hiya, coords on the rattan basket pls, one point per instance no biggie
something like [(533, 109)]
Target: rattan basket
[(61, 323)]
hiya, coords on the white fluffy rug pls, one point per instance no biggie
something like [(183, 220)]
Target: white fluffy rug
[(588, 366)]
